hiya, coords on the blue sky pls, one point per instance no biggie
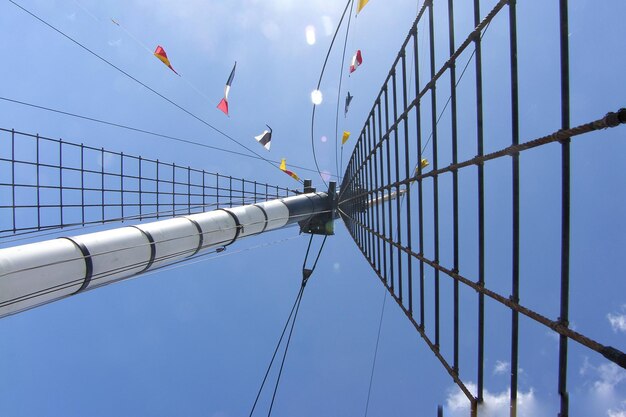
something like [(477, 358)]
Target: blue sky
[(195, 340)]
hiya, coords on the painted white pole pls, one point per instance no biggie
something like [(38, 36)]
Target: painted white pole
[(38, 273)]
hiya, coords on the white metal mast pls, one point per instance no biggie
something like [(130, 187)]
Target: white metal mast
[(38, 273)]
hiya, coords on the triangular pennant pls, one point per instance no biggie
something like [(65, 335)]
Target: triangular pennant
[(357, 60), (346, 136), (223, 105), (160, 53), (283, 167), (265, 138), (360, 5), (348, 101)]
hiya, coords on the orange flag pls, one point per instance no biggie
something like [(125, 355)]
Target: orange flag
[(283, 167), (160, 53)]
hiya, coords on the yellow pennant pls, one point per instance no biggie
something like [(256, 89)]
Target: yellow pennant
[(361, 4), (283, 167), (346, 136), (423, 164)]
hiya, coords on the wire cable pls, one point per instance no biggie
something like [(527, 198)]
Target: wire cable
[(146, 132), (319, 253), (380, 325), (319, 82), (343, 58), (269, 367), (93, 16), (143, 45), (282, 363), (306, 273)]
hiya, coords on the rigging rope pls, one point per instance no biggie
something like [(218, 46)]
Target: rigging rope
[(147, 132), (614, 355), (343, 58), (141, 44), (380, 325), (319, 82), (306, 273), (269, 367), (282, 363), (610, 120)]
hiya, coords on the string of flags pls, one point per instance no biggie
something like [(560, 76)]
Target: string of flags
[(265, 138), (357, 60)]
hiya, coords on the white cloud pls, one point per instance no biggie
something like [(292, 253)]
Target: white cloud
[(115, 43), (494, 405), (613, 412), (501, 367), (605, 384), (620, 411), (618, 321), (610, 375), (606, 377)]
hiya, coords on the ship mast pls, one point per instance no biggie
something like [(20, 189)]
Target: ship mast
[(42, 272)]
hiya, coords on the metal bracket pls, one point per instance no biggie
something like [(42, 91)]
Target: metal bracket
[(323, 223)]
